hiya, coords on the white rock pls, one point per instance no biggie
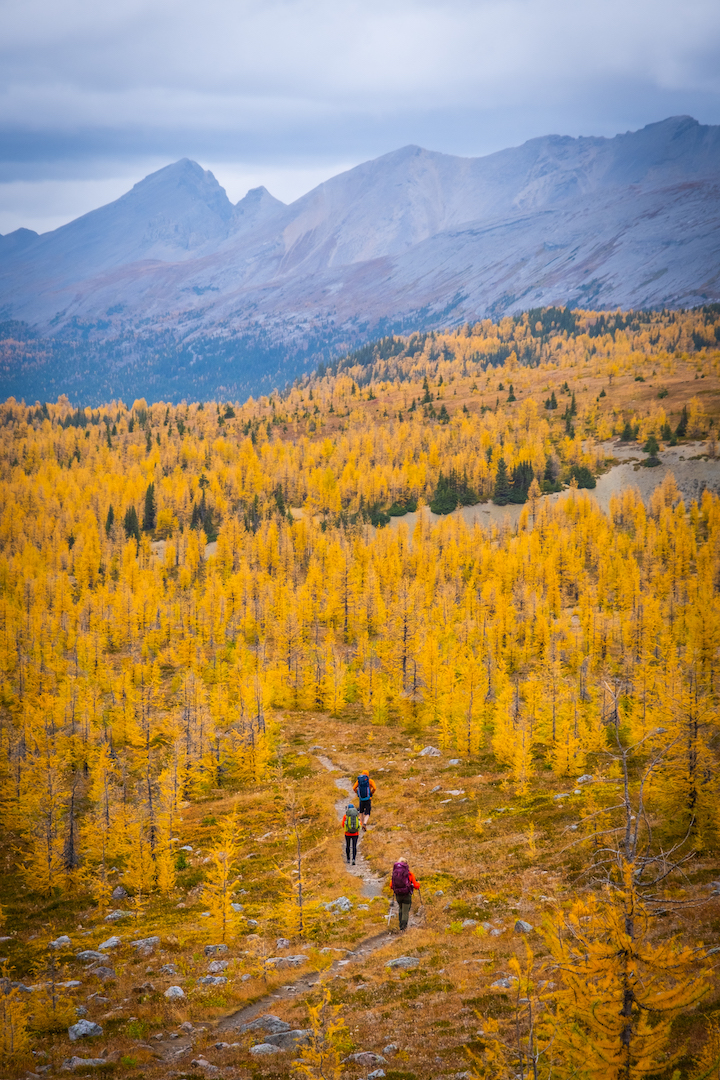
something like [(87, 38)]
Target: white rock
[(430, 751), (341, 904), (264, 1048), (405, 962), (174, 993), (59, 943), (111, 943), (84, 1029), (523, 927)]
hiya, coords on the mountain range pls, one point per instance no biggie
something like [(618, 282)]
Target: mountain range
[(172, 291)]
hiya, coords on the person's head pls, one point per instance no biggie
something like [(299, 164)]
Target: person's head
[(403, 861), (351, 806)]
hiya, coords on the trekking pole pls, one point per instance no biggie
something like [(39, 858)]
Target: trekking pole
[(390, 911)]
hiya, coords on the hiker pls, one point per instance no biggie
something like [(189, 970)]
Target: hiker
[(365, 789), (351, 825), (403, 883)]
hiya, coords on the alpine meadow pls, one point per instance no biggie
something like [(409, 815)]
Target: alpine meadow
[(481, 565)]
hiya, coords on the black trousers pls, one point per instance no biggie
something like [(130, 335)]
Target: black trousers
[(404, 904), (354, 840)]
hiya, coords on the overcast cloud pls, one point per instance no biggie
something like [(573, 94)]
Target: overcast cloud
[(94, 95)]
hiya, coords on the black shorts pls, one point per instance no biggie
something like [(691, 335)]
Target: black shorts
[(364, 807)]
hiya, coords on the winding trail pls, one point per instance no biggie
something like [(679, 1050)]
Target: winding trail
[(372, 885)]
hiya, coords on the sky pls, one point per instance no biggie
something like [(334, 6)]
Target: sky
[(94, 95)]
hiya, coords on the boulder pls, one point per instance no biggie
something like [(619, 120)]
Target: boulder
[(145, 943), (205, 1065), (430, 751), (288, 1040), (103, 973), (215, 950), (212, 980), (341, 904), (505, 983), (367, 1057), (586, 778), (286, 961), (113, 916), (70, 1064), (268, 1022), (111, 943), (63, 942), (404, 962), (168, 969), (218, 966), (390, 1049), (523, 927), (89, 956), (376, 1074), (174, 993), (237, 907), (84, 1029), (118, 893), (252, 923), (264, 1048), (469, 923), (282, 943)]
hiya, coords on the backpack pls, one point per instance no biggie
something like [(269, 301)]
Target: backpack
[(363, 786), (401, 885), (352, 819)]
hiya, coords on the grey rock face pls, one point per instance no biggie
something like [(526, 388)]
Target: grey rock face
[(260, 1049), (119, 893), (84, 1029), (215, 950), (523, 927)]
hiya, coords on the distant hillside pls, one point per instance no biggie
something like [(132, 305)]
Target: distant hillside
[(172, 291)]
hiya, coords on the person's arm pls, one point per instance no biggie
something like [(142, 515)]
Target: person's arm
[(413, 881), (342, 826), (373, 788), (355, 786)]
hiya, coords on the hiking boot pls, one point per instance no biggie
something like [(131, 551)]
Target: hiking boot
[(364, 828), (353, 862)]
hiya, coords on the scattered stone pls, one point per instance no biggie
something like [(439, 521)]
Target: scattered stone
[(269, 1023), (113, 916), (98, 999), (81, 1011), (586, 778), (405, 962), (286, 961), (237, 907), (376, 1074), (70, 1064), (84, 1029), (111, 943), (205, 914), (366, 1057), (187, 1027), (454, 761), (118, 893), (523, 927), (244, 978), (455, 793), (145, 945), (390, 1049), (168, 969), (252, 922), (430, 751), (89, 956), (185, 847), (288, 1040), (505, 983), (202, 1063), (71, 984), (341, 904), (215, 950), (469, 923), (562, 795), (433, 790), (264, 1048), (495, 932), (282, 943), (218, 966), (59, 943), (174, 993), (212, 980), (103, 973), (439, 892), (221, 1046)]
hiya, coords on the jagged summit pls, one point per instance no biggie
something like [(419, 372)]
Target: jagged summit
[(413, 237)]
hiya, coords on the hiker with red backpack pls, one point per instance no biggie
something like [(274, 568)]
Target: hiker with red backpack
[(403, 884), (351, 825), (365, 788)]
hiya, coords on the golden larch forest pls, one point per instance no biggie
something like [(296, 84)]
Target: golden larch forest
[(211, 614)]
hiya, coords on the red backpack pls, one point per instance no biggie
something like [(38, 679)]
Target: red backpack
[(401, 885)]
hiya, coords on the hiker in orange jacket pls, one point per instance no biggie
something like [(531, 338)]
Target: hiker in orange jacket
[(365, 788), (403, 884), (351, 825)]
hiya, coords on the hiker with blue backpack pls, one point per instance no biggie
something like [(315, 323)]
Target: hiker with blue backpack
[(351, 825), (365, 789), (403, 884)]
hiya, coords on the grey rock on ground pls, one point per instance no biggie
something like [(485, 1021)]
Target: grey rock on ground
[(523, 927), (215, 950), (212, 980), (203, 1063), (111, 943), (118, 893), (263, 1048), (146, 943), (341, 904), (286, 961), (405, 962), (113, 916), (103, 973), (469, 923), (367, 1057), (218, 966), (287, 1040), (84, 1029), (268, 1022), (430, 751), (60, 943), (174, 993), (89, 956), (390, 1049), (70, 1064)]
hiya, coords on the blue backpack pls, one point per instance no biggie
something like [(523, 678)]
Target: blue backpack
[(363, 786)]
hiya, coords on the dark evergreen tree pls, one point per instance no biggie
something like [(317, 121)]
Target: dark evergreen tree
[(444, 500), (131, 523), (109, 520), (511, 394), (149, 514), (503, 490), (681, 429)]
